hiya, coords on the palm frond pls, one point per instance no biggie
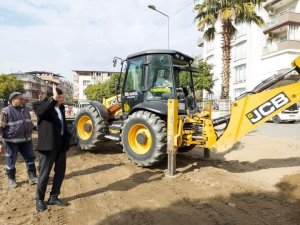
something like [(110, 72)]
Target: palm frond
[(209, 34), (227, 13)]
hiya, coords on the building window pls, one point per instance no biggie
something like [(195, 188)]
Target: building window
[(239, 91), (240, 73), (240, 51), (86, 82), (294, 32)]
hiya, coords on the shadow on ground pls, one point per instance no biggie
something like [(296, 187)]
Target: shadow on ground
[(126, 184), (188, 162), (238, 209)]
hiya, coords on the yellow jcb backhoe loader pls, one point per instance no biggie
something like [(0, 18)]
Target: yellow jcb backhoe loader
[(150, 119)]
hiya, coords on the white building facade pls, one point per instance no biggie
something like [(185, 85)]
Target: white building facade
[(83, 78), (258, 53)]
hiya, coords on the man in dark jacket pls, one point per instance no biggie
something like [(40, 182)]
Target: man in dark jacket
[(15, 136), (53, 143)]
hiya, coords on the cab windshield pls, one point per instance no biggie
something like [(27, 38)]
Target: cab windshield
[(160, 79), (168, 77)]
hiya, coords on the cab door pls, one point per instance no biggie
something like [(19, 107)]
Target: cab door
[(132, 93)]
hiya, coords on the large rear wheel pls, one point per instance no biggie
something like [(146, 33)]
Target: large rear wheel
[(90, 128), (144, 138)]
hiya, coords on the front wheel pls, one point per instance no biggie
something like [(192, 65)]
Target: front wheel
[(144, 138)]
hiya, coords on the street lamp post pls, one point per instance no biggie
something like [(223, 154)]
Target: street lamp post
[(154, 8)]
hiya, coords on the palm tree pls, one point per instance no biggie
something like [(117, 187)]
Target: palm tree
[(229, 13)]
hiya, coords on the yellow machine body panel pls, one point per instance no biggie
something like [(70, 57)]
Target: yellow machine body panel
[(253, 110), (174, 139), (296, 62), (112, 105)]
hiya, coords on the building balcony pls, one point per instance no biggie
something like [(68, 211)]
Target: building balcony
[(281, 20), (281, 46), (275, 4)]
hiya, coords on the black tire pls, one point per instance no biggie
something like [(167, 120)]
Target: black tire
[(186, 148), (276, 119), (98, 126), (293, 121), (152, 152)]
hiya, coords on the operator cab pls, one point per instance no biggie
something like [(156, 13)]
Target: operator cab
[(154, 76)]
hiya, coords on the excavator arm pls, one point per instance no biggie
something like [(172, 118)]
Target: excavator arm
[(255, 108)]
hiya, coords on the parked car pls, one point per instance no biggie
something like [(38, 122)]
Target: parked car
[(290, 115), (76, 108)]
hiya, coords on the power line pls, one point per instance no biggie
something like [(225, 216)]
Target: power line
[(161, 25), (184, 7), (153, 34)]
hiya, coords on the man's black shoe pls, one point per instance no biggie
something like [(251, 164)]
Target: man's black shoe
[(40, 206), (57, 201)]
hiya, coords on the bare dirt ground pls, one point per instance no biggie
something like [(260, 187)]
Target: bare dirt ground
[(257, 182)]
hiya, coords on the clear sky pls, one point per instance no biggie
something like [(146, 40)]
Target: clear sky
[(65, 35)]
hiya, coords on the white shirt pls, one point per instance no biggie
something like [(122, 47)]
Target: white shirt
[(60, 118)]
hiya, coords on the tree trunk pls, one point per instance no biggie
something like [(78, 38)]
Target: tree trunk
[(226, 51)]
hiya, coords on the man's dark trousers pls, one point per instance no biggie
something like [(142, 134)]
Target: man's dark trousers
[(47, 159), (12, 149)]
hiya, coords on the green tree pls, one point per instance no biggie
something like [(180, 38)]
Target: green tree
[(204, 79), (9, 84), (229, 13), (100, 90)]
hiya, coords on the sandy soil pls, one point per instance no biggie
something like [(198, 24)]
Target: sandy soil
[(257, 182)]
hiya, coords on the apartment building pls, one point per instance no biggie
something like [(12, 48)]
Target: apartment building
[(48, 77), (282, 32), (36, 84), (83, 78), (53, 78), (35, 88), (258, 53)]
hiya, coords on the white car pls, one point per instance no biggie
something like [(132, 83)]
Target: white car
[(291, 115), (77, 107)]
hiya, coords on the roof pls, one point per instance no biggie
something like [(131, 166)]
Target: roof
[(41, 73), (159, 51), (88, 72)]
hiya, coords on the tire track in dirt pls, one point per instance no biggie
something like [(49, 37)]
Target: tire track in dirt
[(106, 188), (132, 195), (86, 186)]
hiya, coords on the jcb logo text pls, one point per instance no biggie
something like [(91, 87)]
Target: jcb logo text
[(267, 108)]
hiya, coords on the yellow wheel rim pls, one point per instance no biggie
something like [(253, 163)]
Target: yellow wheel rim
[(135, 134), (85, 127)]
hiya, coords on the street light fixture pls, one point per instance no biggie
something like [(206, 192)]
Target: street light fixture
[(154, 8)]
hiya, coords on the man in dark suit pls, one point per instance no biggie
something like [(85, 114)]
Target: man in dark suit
[(53, 143)]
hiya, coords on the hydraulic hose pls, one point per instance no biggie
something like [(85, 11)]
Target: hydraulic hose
[(221, 120)]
